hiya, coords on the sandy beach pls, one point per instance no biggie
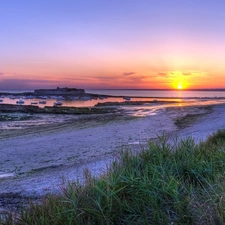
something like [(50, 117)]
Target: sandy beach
[(40, 160)]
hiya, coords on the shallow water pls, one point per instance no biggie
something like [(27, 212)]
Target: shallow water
[(160, 96), (69, 103), (153, 109), (15, 121)]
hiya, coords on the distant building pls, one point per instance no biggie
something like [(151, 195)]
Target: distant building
[(59, 91)]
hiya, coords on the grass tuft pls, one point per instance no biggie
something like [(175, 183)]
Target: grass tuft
[(180, 183)]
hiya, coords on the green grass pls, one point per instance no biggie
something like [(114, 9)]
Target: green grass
[(179, 183)]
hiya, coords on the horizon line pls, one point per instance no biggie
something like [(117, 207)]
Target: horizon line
[(161, 89), (133, 89)]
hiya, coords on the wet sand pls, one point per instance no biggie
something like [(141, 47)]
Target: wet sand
[(39, 160)]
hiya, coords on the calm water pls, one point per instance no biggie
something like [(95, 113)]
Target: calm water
[(74, 103), (161, 94)]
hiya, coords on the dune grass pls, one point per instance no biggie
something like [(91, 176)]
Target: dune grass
[(179, 183)]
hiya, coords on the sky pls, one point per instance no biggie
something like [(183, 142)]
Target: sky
[(96, 44)]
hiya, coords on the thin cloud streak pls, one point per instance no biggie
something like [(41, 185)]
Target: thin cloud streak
[(169, 74), (129, 73)]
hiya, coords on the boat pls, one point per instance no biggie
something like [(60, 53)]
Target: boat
[(53, 97), (20, 101), (60, 98), (42, 102), (127, 98), (43, 97), (29, 97), (33, 103), (85, 98), (102, 97), (57, 103)]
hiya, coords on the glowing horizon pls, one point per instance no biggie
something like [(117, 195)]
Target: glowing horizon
[(101, 44)]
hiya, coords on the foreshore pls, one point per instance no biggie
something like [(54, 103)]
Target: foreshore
[(40, 160)]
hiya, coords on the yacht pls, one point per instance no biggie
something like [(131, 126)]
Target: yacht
[(57, 103), (42, 102), (20, 101), (127, 98)]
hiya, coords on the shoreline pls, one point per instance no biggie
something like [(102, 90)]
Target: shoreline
[(43, 158)]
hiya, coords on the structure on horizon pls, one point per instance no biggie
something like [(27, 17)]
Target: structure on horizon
[(59, 91)]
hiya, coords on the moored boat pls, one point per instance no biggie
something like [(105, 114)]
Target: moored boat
[(57, 103), (127, 98), (20, 101), (42, 102)]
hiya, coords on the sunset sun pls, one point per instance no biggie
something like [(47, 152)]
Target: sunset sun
[(179, 85), (179, 81)]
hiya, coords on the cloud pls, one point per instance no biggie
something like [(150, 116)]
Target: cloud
[(5, 74), (175, 73), (41, 62), (187, 73), (194, 73), (69, 79), (163, 74), (130, 79), (105, 78), (129, 73), (136, 79)]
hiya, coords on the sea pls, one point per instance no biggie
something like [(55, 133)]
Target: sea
[(149, 93)]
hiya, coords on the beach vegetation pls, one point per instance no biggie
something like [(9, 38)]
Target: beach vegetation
[(188, 119), (168, 183)]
